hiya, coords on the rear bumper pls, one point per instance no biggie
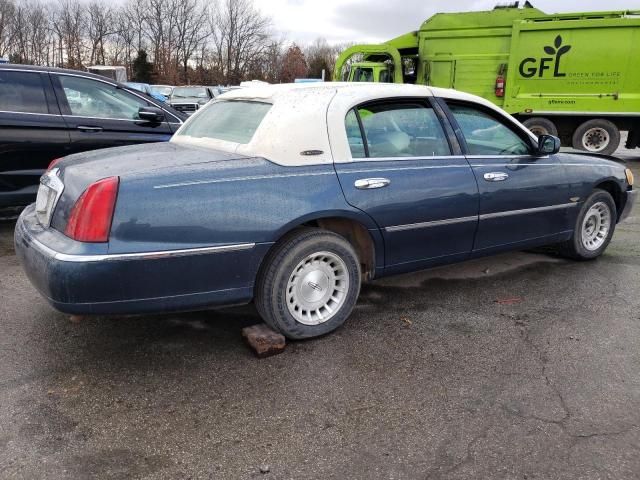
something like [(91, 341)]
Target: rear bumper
[(79, 282), (632, 196)]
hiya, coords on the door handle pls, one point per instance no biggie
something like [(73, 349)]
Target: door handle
[(369, 183), (89, 129), (496, 176)]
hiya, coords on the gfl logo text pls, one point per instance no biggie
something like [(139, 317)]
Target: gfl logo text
[(530, 66)]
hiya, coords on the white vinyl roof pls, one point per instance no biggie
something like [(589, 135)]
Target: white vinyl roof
[(311, 116)]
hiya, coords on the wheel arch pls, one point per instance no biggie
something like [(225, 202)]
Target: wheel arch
[(358, 229), (612, 187)]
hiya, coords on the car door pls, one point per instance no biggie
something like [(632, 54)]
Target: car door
[(411, 180), (32, 133), (524, 198), (100, 114)]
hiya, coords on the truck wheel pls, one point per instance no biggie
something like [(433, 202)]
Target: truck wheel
[(597, 136), (593, 229), (541, 126), (309, 283)]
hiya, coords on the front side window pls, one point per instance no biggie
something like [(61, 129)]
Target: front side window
[(232, 121), (486, 135), (91, 98), (397, 130), (22, 92)]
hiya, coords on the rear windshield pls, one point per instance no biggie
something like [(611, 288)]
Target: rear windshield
[(233, 121)]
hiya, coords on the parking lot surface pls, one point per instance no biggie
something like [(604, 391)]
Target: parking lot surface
[(517, 366)]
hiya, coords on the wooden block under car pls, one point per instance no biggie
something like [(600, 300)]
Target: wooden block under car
[(264, 341)]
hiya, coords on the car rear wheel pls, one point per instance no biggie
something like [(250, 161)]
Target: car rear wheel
[(597, 136), (593, 229), (308, 284), (541, 126)]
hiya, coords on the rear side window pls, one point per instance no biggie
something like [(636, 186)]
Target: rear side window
[(232, 121), (354, 136), (22, 92), (486, 135), (396, 130)]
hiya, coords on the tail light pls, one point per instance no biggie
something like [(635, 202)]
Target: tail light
[(500, 85), (53, 163), (91, 216)]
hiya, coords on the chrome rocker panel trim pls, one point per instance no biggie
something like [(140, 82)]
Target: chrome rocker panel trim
[(109, 257)]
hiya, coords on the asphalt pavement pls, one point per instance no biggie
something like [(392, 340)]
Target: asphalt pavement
[(520, 366)]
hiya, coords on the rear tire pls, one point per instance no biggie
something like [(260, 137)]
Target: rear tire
[(308, 284), (594, 227), (541, 126), (597, 136)]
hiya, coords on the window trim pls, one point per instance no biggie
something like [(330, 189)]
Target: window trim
[(502, 119), (363, 134), (428, 103)]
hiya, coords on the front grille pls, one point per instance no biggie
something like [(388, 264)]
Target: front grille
[(185, 107)]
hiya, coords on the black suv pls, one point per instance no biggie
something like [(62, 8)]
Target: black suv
[(47, 113)]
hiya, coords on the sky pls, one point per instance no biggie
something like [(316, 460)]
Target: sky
[(369, 21)]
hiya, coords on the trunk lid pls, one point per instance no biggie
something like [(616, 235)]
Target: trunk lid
[(77, 172)]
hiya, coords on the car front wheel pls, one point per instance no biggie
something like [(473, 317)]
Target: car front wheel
[(308, 284), (594, 227)]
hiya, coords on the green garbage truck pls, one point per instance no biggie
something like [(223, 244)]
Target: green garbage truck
[(574, 75)]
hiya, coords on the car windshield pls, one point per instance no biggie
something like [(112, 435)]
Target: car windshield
[(233, 121), (186, 92), (166, 91)]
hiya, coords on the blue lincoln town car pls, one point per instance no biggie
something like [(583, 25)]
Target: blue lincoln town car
[(292, 195)]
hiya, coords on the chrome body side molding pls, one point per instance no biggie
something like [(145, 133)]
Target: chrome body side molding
[(110, 257)]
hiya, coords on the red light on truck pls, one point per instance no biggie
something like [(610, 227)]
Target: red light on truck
[(91, 216)]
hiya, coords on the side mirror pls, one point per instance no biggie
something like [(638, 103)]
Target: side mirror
[(548, 145), (151, 114)]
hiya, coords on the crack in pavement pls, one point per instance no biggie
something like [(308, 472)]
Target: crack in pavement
[(543, 359)]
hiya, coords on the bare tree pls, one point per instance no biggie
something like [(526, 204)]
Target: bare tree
[(190, 20), (321, 56), (69, 25), (7, 30), (100, 27), (129, 37), (241, 35), (270, 63), (186, 40), (160, 28)]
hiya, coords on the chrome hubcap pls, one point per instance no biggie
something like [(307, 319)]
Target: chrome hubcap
[(595, 226), (538, 130), (595, 139), (317, 288)]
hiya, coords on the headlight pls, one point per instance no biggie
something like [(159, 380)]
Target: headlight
[(629, 175)]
